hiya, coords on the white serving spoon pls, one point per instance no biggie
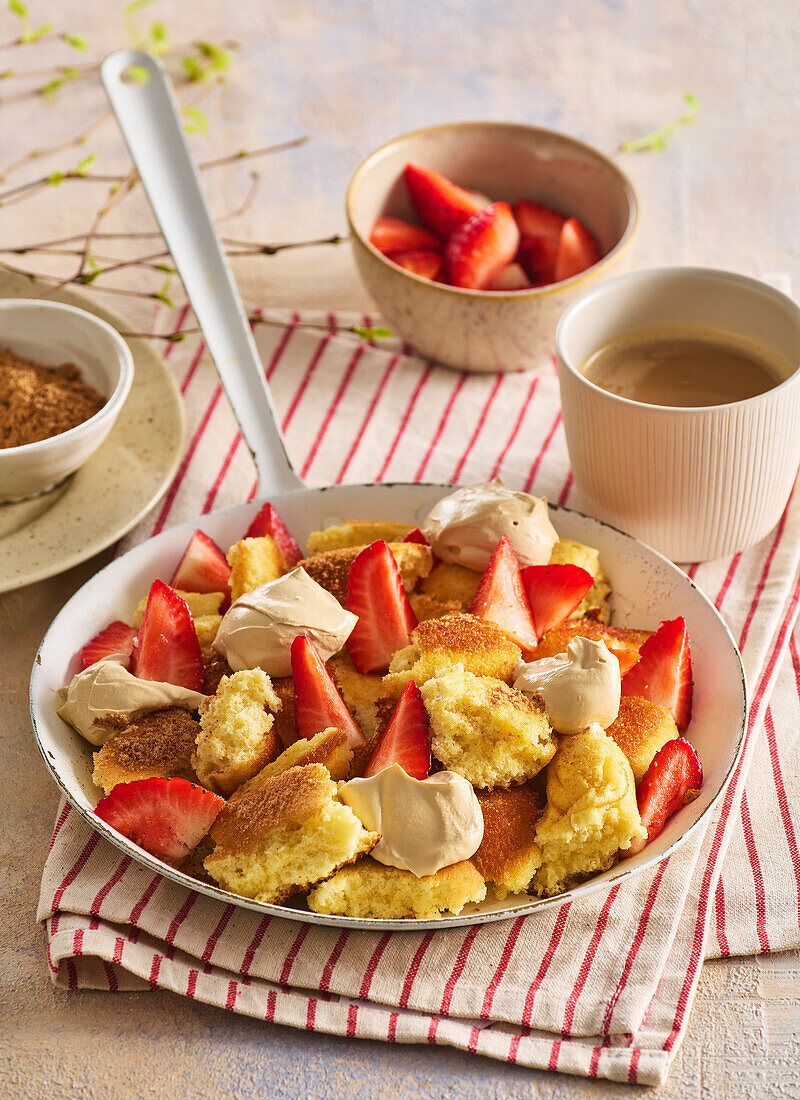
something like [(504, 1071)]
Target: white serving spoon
[(150, 123)]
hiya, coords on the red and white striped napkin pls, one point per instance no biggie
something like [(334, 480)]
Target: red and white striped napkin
[(601, 987)]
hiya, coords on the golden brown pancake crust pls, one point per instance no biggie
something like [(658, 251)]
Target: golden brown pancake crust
[(556, 640), (287, 799), (510, 816)]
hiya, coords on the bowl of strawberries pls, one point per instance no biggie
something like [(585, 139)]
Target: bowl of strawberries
[(473, 237)]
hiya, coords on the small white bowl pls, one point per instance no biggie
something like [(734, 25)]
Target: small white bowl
[(52, 333), (479, 330), (695, 483)]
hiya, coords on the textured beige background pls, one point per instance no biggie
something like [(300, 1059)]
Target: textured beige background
[(351, 74)]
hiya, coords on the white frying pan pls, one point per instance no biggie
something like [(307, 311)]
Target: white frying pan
[(647, 587)]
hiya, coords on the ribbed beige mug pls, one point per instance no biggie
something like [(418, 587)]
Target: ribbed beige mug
[(695, 483)]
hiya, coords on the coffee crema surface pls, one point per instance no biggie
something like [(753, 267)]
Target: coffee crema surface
[(685, 367)]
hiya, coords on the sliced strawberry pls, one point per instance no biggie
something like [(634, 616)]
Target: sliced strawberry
[(512, 277), (663, 673), (420, 261), (375, 593), (416, 536), (166, 647), (536, 220), (627, 657), (317, 702), (166, 817), (203, 567), (116, 638), (577, 250), (482, 247), (501, 598), (554, 591), (406, 740), (395, 235), (537, 256), (673, 779), (267, 522), (441, 204)]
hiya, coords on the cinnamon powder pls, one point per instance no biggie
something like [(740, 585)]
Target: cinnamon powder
[(38, 402)]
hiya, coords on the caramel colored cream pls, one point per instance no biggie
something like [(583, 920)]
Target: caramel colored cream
[(685, 367)]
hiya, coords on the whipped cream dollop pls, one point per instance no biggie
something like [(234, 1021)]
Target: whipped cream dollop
[(425, 824), (466, 526), (257, 630), (578, 688), (107, 688)]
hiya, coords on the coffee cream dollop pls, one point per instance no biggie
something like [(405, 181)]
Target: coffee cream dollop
[(466, 526), (425, 824), (257, 630), (107, 688), (578, 688)]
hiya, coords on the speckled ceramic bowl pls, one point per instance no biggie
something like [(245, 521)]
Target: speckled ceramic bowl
[(478, 330), (52, 333)]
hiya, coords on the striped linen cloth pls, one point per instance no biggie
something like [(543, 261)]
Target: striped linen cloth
[(602, 987)]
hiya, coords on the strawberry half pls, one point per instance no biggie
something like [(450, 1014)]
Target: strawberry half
[(395, 235), (416, 536), (203, 567), (406, 740), (317, 702), (375, 593), (554, 591), (537, 220), (537, 256), (663, 673), (166, 647), (673, 779), (482, 247), (116, 638), (166, 817), (441, 204), (501, 598), (420, 261), (267, 522), (577, 250)]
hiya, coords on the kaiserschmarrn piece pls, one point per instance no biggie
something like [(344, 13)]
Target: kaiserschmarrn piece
[(331, 568), (484, 730), (254, 562), (641, 729), (285, 835), (329, 747), (449, 582), (509, 856), (615, 637), (371, 890), (236, 738), (591, 811), (356, 532), (157, 744), (437, 645), (206, 627)]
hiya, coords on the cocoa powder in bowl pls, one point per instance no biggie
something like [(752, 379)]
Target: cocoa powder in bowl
[(38, 402)]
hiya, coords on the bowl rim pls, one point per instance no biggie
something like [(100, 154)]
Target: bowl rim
[(571, 315), (631, 228), (115, 400)]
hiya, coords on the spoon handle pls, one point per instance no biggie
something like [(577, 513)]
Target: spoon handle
[(150, 124)]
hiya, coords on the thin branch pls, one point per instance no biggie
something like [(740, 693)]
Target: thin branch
[(249, 199), (23, 189), (37, 154)]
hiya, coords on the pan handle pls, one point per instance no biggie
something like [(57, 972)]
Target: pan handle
[(147, 116)]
